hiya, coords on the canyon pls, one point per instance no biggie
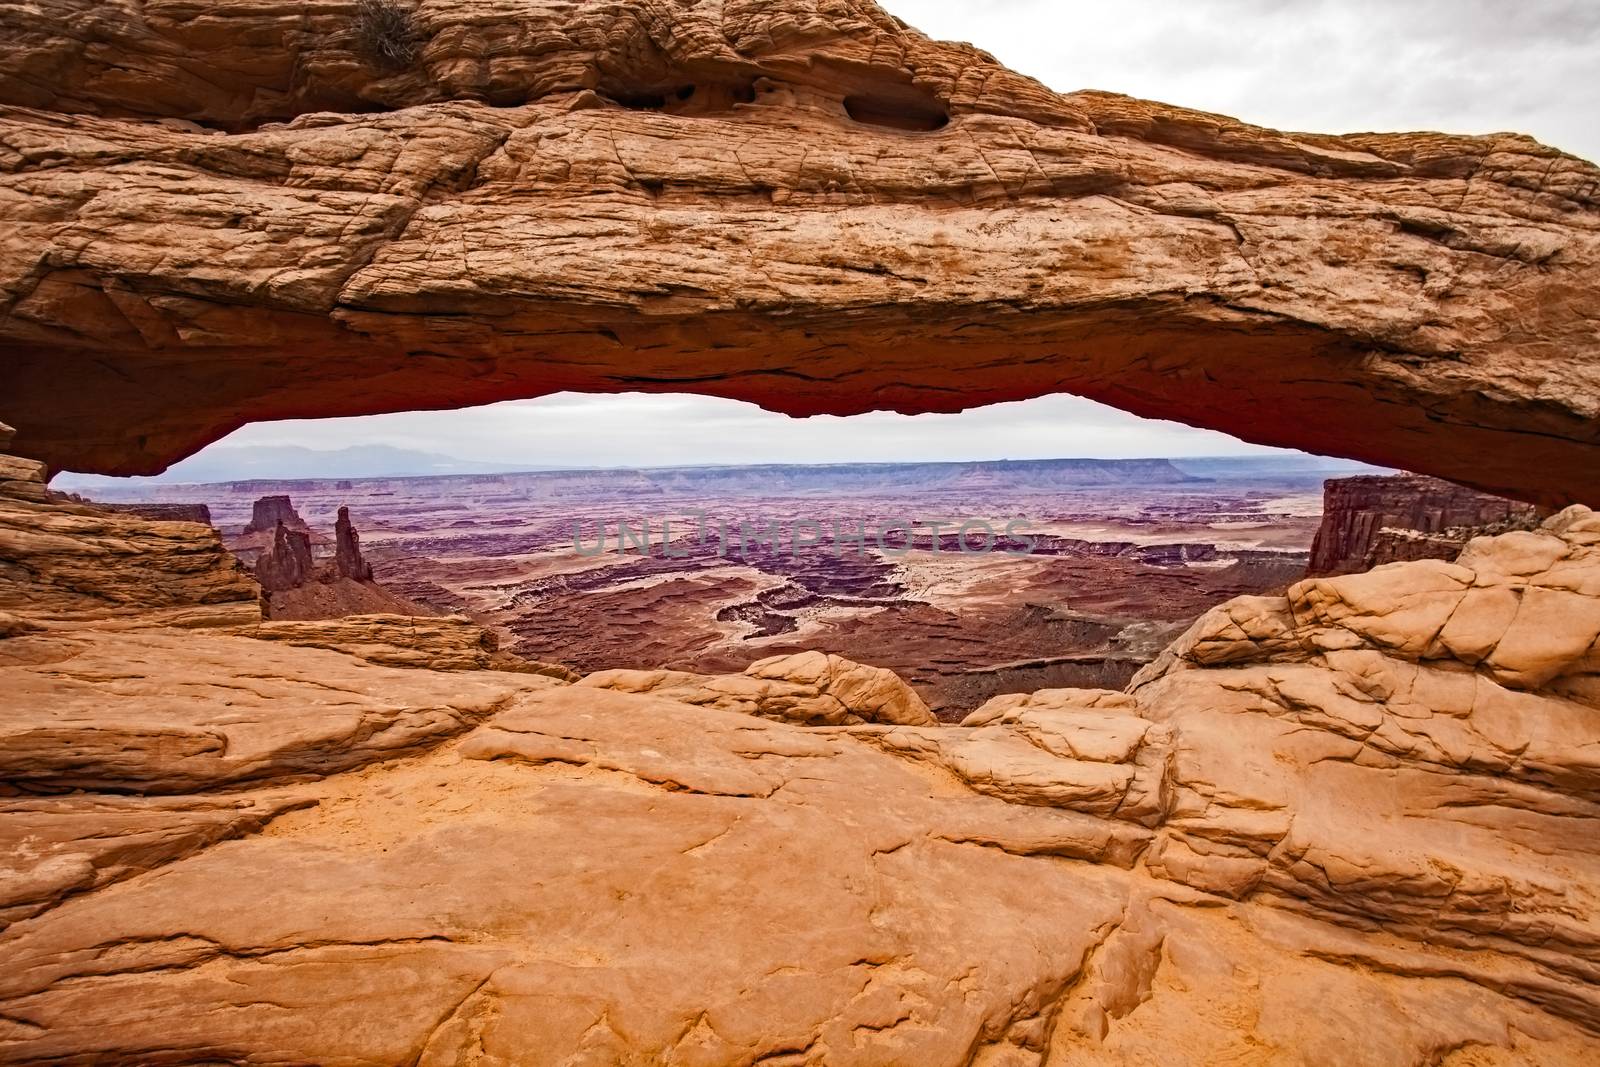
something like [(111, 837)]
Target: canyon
[(1110, 560), (1340, 818), (386, 839)]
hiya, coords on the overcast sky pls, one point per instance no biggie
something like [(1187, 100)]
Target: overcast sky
[(1337, 66)]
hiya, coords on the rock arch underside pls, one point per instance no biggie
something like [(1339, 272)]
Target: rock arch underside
[(1355, 823), (223, 213)]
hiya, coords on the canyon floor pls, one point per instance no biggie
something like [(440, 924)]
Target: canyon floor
[(1121, 557), (1351, 823)]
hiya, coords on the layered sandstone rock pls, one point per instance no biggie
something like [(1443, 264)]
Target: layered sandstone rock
[(51, 848), (157, 712), (1410, 749), (1370, 520), (161, 512), (1367, 806), (72, 562), (1355, 823), (245, 212), (448, 643), (23, 479), (810, 688)]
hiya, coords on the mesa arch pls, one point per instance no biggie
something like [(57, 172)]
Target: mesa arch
[(231, 214)]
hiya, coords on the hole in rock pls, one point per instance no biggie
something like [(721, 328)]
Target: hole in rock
[(1041, 544), (707, 98), (647, 101), (901, 112)]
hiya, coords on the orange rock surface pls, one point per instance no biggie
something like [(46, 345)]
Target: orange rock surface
[(1355, 823), (243, 211)]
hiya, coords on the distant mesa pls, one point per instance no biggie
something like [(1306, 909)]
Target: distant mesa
[(272, 511), (287, 564), (1368, 521), (264, 467)]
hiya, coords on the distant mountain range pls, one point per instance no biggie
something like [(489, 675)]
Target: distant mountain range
[(287, 463), (291, 463), (1282, 463)]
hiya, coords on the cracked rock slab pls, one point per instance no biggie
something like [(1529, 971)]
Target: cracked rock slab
[(810, 688), (169, 712)]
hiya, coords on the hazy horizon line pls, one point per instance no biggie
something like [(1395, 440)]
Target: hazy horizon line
[(1286, 457)]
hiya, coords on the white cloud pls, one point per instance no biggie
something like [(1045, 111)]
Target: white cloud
[(1329, 66), (637, 429)]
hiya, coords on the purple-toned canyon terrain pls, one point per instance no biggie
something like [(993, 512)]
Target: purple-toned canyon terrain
[(1111, 560)]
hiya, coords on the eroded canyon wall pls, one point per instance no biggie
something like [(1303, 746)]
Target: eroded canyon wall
[(1370, 520)]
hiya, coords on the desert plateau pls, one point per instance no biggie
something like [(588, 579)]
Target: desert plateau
[(1107, 563), (1029, 745)]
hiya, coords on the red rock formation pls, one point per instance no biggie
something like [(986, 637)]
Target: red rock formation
[(301, 588), (1363, 808), (162, 512), (806, 205), (1370, 799), (347, 559), (270, 512), (287, 564), (64, 561), (1369, 520)]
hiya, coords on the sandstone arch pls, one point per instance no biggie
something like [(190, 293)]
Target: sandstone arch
[(223, 215)]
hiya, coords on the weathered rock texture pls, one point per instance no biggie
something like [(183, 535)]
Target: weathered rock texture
[(143, 711), (810, 688), (1364, 808), (245, 211), (1370, 520), (450, 643), (288, 563), (1356, 823), (347, 559), (74, 562), (161, 512), (271, 512)]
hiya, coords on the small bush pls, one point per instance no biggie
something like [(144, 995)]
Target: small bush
[(385, 33)]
